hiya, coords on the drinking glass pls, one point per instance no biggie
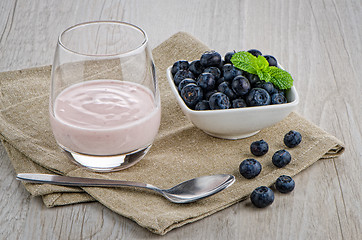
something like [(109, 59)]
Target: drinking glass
[(104, 100)]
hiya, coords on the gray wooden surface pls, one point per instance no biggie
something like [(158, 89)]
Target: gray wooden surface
[(319, 42)]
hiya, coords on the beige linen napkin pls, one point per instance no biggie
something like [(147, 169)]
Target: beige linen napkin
[(180, 151)]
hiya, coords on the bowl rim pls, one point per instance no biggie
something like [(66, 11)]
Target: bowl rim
[(245, 109)]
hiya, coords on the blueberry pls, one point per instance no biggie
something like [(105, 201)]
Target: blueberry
[(259, 148), (238, 103), (240, 85), (219, 101), (206, 81), (184, 82), (224, 88), (211, 59), (179, 65), (258, 84), (271, 60), (229, 72), (258, 97), (281, 158), (181, 75), (219, 81), (228, 57), (262, 197), (269, 87), (250, 168), (285, 184), (292, 139), (209, 93), (227, 68), (278, 98), (196, 68), (191, 94), (202, 105), (214, 71), (281, 91), (253, 78), (255, 52)]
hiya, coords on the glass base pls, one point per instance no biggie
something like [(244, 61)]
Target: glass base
[(107, 163)]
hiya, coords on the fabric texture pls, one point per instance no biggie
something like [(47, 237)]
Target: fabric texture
[(180, 151)]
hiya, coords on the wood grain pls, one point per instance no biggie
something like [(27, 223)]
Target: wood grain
[(319, 42)]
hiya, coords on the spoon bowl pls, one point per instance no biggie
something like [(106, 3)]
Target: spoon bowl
[(198, 188), (185, 192)]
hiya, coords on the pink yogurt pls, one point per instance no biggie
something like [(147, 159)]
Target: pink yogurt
[(105, 117)]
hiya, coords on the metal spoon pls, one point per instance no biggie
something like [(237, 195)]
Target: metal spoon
[(185, 192)]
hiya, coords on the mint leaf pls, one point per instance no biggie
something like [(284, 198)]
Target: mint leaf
[(260, 66), (245, 61), (264, 75), (262, 63), (280, 78)]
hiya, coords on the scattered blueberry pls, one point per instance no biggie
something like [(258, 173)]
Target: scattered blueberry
[(202, 105), (181, 75), (259, 148), (258, 97), (238, 103), (196, 68), (262, 197), (250, 168), (281, 158), (228, 56), (278, 98), (179, 65), (255, 52), (271, 60), (219, 101), (285, 184), (191, 94), (292, 139), (206, 81), (210, 59), (224, 88), (240, 85), (184, 82)]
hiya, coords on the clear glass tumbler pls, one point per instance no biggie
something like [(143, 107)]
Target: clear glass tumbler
[(104, 102)]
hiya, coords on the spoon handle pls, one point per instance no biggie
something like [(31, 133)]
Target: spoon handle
[(78, 181)]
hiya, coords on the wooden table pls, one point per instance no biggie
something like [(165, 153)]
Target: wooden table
[(319, 42)]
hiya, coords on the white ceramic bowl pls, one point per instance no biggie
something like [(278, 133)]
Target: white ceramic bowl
[(236, 123)]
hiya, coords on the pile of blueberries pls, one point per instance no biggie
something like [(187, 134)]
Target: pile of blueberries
[(263, 196), (214, 83)]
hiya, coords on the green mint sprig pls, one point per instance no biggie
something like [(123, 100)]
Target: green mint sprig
[(260, 66)]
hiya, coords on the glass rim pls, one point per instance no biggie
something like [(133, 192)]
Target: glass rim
[(125, 53)]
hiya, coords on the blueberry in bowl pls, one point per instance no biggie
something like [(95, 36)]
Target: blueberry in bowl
[(191, 95), (258, 97), (219, 100), (235, 104), (210, 59)]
